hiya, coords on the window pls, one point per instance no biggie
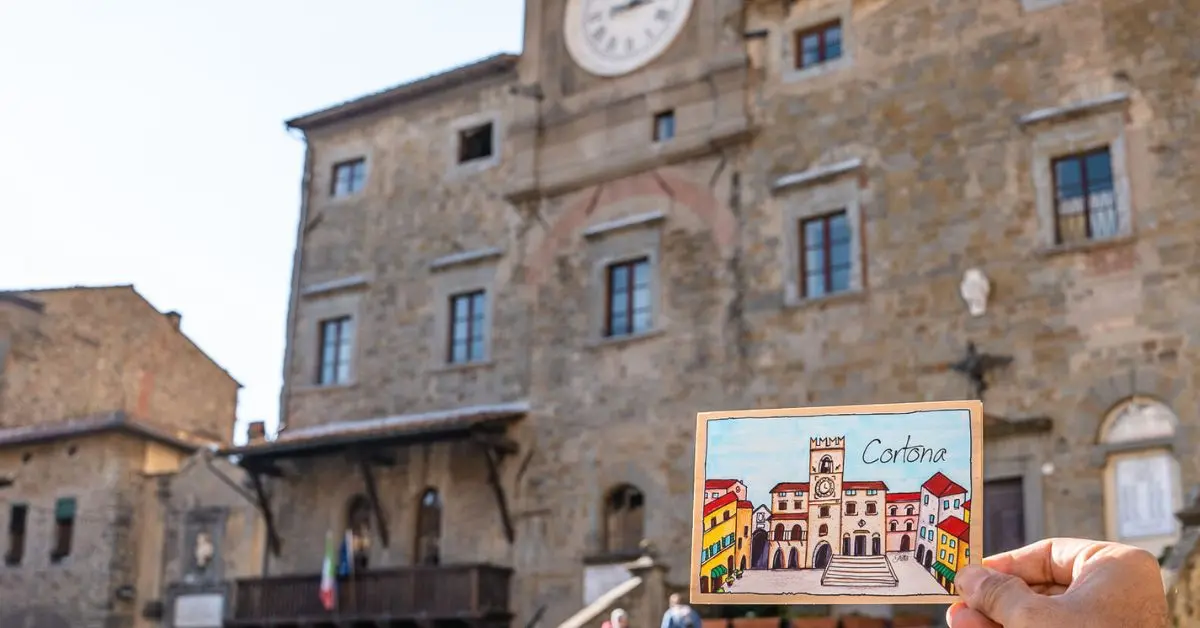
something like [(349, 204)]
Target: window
[(727, 516), (942, 554), (871, 508), (871, 492), (826, 464), (824, 511), (825, 263), (796, 504), (953, 543), (624, 521), (1085, 204), (945, 503), (798, 493), (818, 45), (783, 505), (779, 534), (943, 538), (18, 515), (468, 320), (893, 526), (475, 143), (64, 528), (908, 526), (628, 296), (958, 503), (893, 511), (930, 519), (1142, 486), (664, 125), (852, 492), (429, 528), (337, 342), (349, 177), (823, 530), (926, 500), (851, 508), (951, 559), (797, 534), (910, 510), (358, 523)]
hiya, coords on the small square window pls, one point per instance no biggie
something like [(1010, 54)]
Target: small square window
[(468, 319), (337, 344), (825, 261), (628, 310), (820, 44), (1085, 199), (475, 143), (664, 125), (349, 177)]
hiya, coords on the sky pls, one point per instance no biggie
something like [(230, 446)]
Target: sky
[(142, 141), (764, 452)]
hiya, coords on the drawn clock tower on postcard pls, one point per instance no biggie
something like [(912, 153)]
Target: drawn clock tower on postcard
[(827, 457)]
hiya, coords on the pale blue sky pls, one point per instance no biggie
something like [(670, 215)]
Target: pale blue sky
[(764, 452), (142, 141)]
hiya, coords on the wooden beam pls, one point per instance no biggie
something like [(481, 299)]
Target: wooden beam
[(264, 506), (498, 490), (373, 495)]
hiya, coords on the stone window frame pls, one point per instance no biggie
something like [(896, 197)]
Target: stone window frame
[(1114, 451), (1076, 128), (456, 169), (456, 274), (810, 194), (841, 12), (315, 310), (624, 240), (323, 173)]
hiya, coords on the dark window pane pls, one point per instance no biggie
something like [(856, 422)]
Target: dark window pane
[(1099, 170), (839, 254), (814, 233), (1068, 176)]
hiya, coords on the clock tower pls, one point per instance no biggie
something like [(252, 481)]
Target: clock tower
[(826, 463)]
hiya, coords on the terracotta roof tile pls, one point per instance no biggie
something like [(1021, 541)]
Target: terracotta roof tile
[(903, 497), (718, 503), (942, 486)]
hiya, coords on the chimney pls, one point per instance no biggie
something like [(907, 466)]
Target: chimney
[(175, 318), (256, 432)]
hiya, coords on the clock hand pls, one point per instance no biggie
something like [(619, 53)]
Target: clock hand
[(627, 6)]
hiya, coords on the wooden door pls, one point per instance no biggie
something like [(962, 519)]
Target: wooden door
[(1003, 515)]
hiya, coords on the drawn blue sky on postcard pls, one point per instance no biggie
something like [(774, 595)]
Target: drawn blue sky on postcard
[(763, 452)]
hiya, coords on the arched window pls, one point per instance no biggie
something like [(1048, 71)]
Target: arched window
[(1142, 485), (826, 464), (358, 523), (429, 528), (779, 532), (893, 511), (823, 530), (909, 510), (797, 535), (908, 526), (624, 520), (893, 526)]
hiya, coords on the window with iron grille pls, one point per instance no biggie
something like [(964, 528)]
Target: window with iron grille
[(628, 310), (337, 345), (468, 317), (825, 262), (820, 44), (349, 177), (1085, 200)]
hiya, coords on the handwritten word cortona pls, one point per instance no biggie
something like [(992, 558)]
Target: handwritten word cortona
[(908, 453)]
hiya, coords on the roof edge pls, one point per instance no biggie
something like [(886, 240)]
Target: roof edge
[(471, 72), (95, 424)]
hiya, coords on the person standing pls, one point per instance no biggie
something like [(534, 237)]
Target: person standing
[(680, 615)]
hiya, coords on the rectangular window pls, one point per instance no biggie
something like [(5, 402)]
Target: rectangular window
[(783, 505), (871, 508), (475, 143), (926, 500), (818, 45), (796, 505), (1085, 201), (825, 254), (468, 318), (871, 492), (851, 508), (798, 494), (337, 344), (664, 125), (958, 503), (628, 307), (64, 528), (950, 558), (930, 519), (953, 543), (824, 511), (945, 503), (349, 177), (942, 554), (851, 492), (943, 538), (18, 515)]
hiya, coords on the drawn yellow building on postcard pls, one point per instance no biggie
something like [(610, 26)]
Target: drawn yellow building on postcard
[(854, 504)]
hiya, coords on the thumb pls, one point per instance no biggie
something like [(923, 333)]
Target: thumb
[(1004, 599)]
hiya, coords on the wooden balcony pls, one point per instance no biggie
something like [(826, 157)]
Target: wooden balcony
[(472, 595)]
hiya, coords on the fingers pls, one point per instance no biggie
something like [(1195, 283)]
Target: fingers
[(1050, 561), (960, 616), (1003, 598)]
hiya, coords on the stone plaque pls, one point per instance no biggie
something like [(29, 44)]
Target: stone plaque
[(199, 610), (1144, 497), (600, 579)]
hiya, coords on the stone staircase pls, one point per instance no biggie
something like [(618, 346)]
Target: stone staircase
[(859, 571)]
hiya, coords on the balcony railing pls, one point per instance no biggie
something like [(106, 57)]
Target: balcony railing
[(451, 592)]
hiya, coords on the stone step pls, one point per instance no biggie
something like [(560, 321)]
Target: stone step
[(859, 571)]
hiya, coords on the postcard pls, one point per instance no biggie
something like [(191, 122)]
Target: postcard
[(862, 504)]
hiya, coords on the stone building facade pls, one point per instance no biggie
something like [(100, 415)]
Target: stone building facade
[(101, 399), (782, 208)]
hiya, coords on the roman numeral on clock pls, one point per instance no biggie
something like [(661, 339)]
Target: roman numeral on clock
[(662, 15)]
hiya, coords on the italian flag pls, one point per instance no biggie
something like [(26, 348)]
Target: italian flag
[(328, 575)]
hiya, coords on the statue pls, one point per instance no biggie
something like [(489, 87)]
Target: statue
[(204, 550), (975, 289)]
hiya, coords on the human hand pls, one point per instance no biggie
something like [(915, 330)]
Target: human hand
[(1062, 582)]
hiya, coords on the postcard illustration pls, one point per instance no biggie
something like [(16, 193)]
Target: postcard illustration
[(841, 505)]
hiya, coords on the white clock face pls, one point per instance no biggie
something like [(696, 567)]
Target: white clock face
[(614, 37)]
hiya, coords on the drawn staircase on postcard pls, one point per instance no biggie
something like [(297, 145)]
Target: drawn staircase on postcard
[(854, 504)]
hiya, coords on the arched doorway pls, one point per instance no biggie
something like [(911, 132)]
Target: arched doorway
[(822, 555), (758, 550), (875, 546), (794, 559), (928, 559), (704, 584), (905, 544), (624, 520), (920, 553), (729, 564), (743, 565), (777, 560), (429, 528), (845, 545)]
